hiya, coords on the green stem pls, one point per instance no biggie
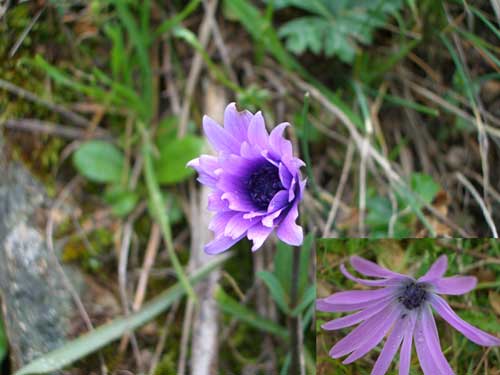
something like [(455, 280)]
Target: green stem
[(157, 206), (305, 144)]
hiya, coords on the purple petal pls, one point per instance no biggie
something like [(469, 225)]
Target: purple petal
[(216, 203), (369, 268), (427, 363), (288, 231), (437, 270), (238, 201), (279, 145), (268, 220), (405, 355), (250, 152), (220, 244), (391, 347), (239, 166), (206, 166), (455, 285), (354, 339), (237, 225), (285, 176), (219, 221), (431, 338), (258, 234), (220, 139), (355, 318), (359, 296), (279, 200), (257, 133), (386, 282), (374, 335), (472, 333), (323, 305), (236, 123)]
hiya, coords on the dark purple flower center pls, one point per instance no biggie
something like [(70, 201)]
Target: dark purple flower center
[(263, 184), (413, 295)]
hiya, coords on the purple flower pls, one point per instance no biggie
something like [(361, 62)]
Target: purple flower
[(402, 308), (255, 180)]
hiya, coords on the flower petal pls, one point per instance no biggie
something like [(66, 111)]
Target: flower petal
[(257, 133), (427, 363), (238, 226), (455, 285), (268, 220), (258, 234), (431, 338), (216, 203), (281, 147), (405, 354), (219, 221), (385, 282), (279, 200), (472, 333), (220, 139), (220, 244), (374, 336), (391, 347), (285, 176), (437, 269), (359, 296), (369, 268), (355, 318), (354, 339), (236, 123), (288, 231)]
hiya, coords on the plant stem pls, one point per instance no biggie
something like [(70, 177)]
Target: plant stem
[(297, 360), (157, 206)]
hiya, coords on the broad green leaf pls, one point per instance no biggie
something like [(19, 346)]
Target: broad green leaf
[(425, 186), (170, 167), (245, 314), (276, 290), (99, 161), (96, 339), (122, 201)]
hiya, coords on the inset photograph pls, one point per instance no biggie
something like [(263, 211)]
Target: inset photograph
[(410, 306)]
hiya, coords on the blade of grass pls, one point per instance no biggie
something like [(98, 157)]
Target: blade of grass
[(166, 26), (157, 205), (92, 341)]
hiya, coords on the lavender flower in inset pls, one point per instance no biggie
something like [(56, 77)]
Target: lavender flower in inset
[(402, 308), (255, 179)]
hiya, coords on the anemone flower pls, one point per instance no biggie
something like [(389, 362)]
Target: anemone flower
[(255, 178), (402, 307)]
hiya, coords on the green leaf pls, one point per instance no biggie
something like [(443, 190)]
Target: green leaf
[(276, 289), (243, 313), (170, 167), (122, 201), (425, 186), (96, 339), (99, 161), (308, 298)]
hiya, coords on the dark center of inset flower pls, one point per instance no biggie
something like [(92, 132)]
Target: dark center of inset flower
[(413, 295), (263, 184)]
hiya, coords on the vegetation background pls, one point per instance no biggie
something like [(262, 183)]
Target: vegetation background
[(481, 307), (102, 100)]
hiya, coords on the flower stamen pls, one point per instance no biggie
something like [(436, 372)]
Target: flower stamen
[(413, 295), (263, 184)]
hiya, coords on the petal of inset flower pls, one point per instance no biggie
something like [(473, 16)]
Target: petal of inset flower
[(323, 305), (405, 355), (237, 225), (391, 347), (369, 268), (359, 296), (424, 356), (455, 285), (257, 133), (288, 231), (437, 269), (352, 341), (355, 318), (258, 234), (279, 145), (373, 336), (220, 139), (431, 338), (220, 244), (394, 281), (472, 333), (236, 123)]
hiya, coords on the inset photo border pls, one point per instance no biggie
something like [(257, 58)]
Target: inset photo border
[(426, 305)]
